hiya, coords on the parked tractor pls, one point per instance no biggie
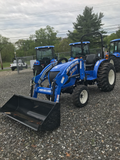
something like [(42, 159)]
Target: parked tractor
[(114, 53), (72, 77), (44, 55)]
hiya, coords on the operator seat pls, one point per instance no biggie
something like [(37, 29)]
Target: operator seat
[(91, 60)]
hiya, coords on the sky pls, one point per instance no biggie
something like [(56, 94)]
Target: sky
[(20, 19)]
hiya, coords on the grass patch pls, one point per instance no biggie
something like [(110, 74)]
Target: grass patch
[(6, 64)]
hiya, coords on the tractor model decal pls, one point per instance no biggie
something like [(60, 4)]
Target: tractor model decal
[(62, 80), (97, 63), (80, 64), (57, 100), (73, 64), (46, 70), (73, 70)]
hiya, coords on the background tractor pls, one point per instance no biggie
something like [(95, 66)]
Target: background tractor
[(114, 53), (44, 55)]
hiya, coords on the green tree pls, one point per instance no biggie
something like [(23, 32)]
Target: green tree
[(20, 47), (6, 50), (46, 36), (108, 38), (112, 36), (42, 37), (3, 42), (86, 23), (25, 47), (118, 33), (63, 45)]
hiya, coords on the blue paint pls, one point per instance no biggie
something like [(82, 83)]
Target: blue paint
[(115, 40), (75, 43), (44, 47)]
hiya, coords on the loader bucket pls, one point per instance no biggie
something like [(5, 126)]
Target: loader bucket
[(32, 112)]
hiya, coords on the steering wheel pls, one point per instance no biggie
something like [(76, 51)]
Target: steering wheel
[(61, 59)]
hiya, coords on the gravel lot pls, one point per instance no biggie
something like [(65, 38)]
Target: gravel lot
[(89, 133)]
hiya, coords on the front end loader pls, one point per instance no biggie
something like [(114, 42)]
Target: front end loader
[(72, 77), (32, 112)]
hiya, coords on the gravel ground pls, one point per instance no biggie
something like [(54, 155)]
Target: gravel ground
[(89, 133)]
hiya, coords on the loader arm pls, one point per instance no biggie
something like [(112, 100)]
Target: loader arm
[(42, 76)]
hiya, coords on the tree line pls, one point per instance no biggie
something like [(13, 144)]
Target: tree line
[(86, 23)]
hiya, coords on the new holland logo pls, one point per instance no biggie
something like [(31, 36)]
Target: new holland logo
[(44, 90)]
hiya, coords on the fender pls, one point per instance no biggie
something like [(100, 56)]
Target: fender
[(116, 54), (53, 60), (95, 71), (62, 77), (37, 63), (70, 59)]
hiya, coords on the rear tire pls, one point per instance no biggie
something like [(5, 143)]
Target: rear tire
[(80, 96), (116, 62), (106, 77), (62, 59)]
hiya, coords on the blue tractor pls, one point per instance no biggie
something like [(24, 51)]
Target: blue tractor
[(114, 53), (72, 77), (44, 56)]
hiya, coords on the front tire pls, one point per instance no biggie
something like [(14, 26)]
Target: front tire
[(106, 77), (80, 96)]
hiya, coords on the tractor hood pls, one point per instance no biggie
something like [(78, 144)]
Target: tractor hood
[(60, 67), (64, 69)]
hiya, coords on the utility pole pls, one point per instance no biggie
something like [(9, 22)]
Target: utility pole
[(1, 61)]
